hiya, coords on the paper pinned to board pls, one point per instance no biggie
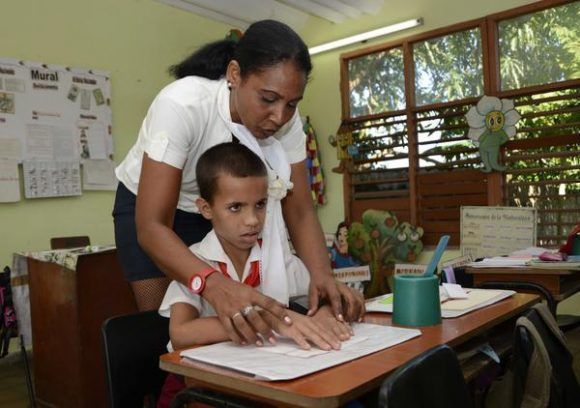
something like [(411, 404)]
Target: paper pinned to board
[(263, 364), (99, 175), (9, 181)]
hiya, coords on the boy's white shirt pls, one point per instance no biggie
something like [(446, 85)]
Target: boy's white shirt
[(211, 251)]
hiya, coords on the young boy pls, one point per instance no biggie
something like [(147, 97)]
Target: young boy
[(233, 186)]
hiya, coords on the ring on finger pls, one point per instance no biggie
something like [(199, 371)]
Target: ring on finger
[(236, 315), (247, 310)]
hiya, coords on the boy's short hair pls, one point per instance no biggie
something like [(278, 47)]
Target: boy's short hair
[(233, 159)]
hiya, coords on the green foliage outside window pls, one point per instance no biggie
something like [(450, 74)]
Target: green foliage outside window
[(540, 48), (448, 68), (376, 83)]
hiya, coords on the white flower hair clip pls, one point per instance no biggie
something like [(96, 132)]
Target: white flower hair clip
[(277, 187)]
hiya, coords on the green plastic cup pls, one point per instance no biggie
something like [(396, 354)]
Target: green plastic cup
[(416, 300)]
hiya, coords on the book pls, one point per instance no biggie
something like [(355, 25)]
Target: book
[(572, 263), (450, 308)]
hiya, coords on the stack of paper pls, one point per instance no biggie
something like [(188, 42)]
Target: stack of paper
[(529, 252), (502, 262), (286, 360), (572, 264)]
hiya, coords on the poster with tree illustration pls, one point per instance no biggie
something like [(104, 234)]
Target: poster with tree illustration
[(380, 241)]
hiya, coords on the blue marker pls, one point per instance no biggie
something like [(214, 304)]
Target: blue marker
[(437, 255)]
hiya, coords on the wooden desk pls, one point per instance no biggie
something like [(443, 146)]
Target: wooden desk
[(68, 305), (336, 386), (561, 283)]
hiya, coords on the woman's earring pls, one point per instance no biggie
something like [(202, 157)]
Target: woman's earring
[(229, 85)]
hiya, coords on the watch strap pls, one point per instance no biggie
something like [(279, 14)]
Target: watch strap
[(200, 275)]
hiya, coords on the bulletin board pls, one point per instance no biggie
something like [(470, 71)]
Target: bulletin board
[(52, 119), (496, 231)]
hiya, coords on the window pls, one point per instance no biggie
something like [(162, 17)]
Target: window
[(376, 83), (441, 140), (540, 48), (448, 68), (411, 153), (380, 166), (544, 162)]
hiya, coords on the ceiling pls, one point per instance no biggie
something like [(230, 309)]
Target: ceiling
[(295, 13)]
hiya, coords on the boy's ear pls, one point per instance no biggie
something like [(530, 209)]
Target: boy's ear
[(204, 208)]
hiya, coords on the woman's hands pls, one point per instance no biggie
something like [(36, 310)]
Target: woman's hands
[(249, 316), (345, 303), (308, 239), (234, 304)]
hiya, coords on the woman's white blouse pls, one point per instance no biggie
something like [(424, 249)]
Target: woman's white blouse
[(186, 118)]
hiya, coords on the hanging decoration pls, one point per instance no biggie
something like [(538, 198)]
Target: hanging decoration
[(316, 176), (492, 123), (345, 149)]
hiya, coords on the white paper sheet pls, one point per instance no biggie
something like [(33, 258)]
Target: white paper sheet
[(51, 179), (502, 262), (99, 175), (264, 364), (9, 181), (289, 348), (97, 141), (495, 231), (10, 148), (50, 142), (39, 143)]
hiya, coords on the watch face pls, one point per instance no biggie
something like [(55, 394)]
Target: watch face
[(196, 283)]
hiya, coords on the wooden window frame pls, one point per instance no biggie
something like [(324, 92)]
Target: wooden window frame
[(488, 27)]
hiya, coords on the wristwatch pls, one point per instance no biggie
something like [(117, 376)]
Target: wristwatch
[(197, 281)]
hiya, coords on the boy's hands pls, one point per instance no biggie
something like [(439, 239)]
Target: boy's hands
[(324, 317), (322, 330)]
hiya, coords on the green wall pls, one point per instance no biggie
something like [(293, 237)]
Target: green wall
[(136, 40)]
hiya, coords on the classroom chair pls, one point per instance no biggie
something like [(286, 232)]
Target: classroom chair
[(132, 345), (433, 379), (210, 398), (565, 322), (69, 242), (543, 371)]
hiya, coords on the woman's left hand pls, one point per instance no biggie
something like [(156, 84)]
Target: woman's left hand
[(346, 303)]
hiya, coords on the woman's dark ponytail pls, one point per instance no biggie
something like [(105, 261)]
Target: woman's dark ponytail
[(210, 61), (264, 44)]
